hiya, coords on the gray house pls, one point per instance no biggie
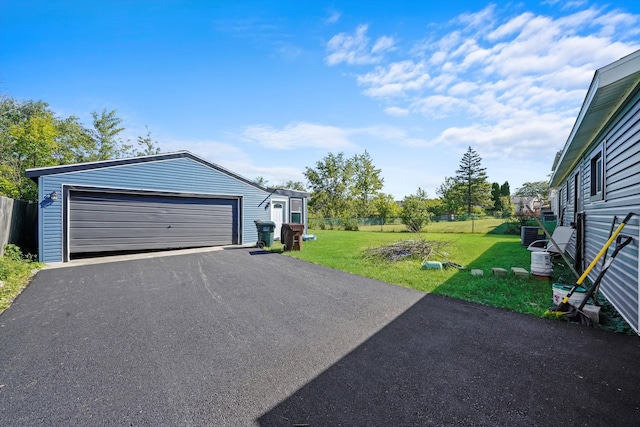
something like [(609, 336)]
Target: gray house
[(164, 201), (596, 178)]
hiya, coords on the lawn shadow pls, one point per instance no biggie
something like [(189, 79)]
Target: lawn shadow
[(531, 295)]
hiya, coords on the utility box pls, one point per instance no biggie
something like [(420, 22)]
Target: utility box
[(265, 232), (529, 234), (291, 236)]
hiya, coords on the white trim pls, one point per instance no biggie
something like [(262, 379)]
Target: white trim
[(41, 220), (155, 192)]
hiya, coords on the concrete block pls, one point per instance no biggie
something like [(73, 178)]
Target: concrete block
[(593, 311), (432, 265), (477, 272), (520, 272), (500, 272)]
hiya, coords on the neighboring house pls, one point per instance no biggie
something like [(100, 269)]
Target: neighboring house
[(597, 177), (524, 205), (164, 201)]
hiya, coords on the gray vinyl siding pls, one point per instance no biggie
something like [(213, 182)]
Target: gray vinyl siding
[(180, 175), (621, 145)]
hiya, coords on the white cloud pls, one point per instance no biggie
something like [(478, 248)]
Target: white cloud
[(215, 151), (397, 111), (394, 80), (383, 44), (512, 26), (354, 48), (334, 16), (299, 135), (512, 82)]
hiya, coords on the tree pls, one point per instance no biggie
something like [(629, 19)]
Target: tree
[(451, 193), (330, 182), (437, 207), (505, 190), (385, 207), (473, 177), (261, 180), (74, 142), (496, 197), (28, 139), (415, 211), (106, 140), (505, 195), (34, 143), (32, 136), (294, 185), (147, 146), (538, 189), (367, 184)]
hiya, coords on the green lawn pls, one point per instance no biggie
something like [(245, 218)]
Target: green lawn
[(480, 226), (343, 250)]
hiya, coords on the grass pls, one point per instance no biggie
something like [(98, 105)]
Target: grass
[(15, 273), (480, 226), (343, 250)]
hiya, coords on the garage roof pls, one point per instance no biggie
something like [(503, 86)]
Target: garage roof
[(52, 170), (610, 87)]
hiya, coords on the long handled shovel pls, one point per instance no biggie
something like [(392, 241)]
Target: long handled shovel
[(564, 308), (575, 314)]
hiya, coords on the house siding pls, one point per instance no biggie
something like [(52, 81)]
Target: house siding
[(621, 145), (178, 175)]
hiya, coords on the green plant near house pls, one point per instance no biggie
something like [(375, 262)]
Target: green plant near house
[(15, 271)]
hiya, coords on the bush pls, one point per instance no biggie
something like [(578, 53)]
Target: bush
[(349, 224), (415, 211), (13, 252)]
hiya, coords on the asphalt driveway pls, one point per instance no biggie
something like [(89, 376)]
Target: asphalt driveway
[(239, 337)]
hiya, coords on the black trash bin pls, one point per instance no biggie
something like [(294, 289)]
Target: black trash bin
[(265, 232)]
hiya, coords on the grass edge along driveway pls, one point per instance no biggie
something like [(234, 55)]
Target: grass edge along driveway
[(343, 250)]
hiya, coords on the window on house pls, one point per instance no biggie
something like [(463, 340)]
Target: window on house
[(597, 176), (296, 211)]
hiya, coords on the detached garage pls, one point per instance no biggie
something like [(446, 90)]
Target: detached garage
[(164, 201)]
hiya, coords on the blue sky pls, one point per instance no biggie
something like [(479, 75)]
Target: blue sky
[(267, 88)]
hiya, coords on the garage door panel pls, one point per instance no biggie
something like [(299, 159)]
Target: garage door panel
[(193, 233), (101, 222), (138, 217)]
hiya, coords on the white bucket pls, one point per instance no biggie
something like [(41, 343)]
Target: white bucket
[(561, 291), (541, 264)]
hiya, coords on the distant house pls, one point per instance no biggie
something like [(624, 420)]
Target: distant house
[(596, 178), (524, 205), (164, 201)]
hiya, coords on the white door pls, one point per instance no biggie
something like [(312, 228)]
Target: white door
[(278, 212)]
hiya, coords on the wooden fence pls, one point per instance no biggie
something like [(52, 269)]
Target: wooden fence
[(18, 224)]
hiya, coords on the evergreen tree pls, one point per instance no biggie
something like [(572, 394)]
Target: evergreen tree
[(496, 197), (473, 178)]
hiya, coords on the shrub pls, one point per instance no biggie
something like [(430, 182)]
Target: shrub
[(13, 252), (415, 211)]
